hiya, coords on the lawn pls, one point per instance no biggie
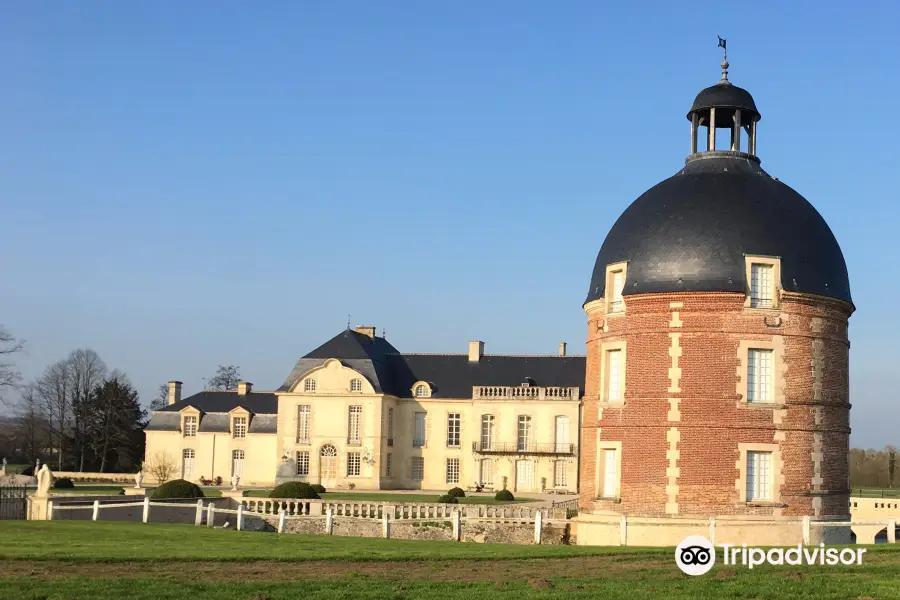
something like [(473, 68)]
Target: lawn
[(56, 560), (388, 497)]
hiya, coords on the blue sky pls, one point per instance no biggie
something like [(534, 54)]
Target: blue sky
[(184, 184)]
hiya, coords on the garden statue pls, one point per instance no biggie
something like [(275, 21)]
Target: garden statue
[(138, 479), (3, 468), (37, 466), (45, 480), (234, 482)]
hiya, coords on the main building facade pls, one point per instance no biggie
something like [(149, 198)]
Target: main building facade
[(355, 413)]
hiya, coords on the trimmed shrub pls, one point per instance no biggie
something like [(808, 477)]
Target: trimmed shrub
[(295, 489), (457, 492), (320, 489), (63, 483), (447, 499), (504, 496), (28, 471), (177, 488)]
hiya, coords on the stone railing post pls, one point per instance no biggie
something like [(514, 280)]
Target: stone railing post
[(892, 531), (146, 515), (210, 514), (623, 530), (386, 525), (50, 510), (198, 516), (806, 532), (329, 521), (712, 531), (96, 510), (240, 517), (538, 526), (282, 520), (457, 526)]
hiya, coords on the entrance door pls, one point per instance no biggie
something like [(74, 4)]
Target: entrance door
[(487, 471), (328, 466), (237, 463), (524, 475)]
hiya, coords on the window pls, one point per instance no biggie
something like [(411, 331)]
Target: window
[(353, 427), (559, 473), (328, 463), (309, 385), (524, 475), (353, 464), (237, 463), (303, 462), (239, 427), (613, 375), (562, 434), (618, 283), (419, 433), (421, 391), (417, 468), (187, 463), (303, 415), (487, 471), (190, 426), (452, 470), (759, 376), (524, 435), (390, 427), (609, 474), (388, 464), (759, 476), (355, 385), (487, 432), (453, 430), (761, 279)]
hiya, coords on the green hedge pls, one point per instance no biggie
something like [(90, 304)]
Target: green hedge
[(295, 489), (63, 483), (177, 488), (504, 496), (448, 499)]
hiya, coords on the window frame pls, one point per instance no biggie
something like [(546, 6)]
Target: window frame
[(522, 442), (449, 468), (488, 420), (774, 286), (414, 461), (354, 410), (309, 385), (601, 475), (304, 424), (300, 455), (354, 459), (239, 427), (614, 298), (190, 431), (454, 434), (356, 385), (605, 376), (418, 442)]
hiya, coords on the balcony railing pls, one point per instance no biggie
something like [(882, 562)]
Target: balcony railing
[(522, 392), (560, 449)]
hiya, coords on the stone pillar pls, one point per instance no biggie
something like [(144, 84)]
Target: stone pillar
[(623, 530), (329, 521), (806, 531), (712, 531), (146, 516), (386, 525), (50, 510), (282, 518), (96, 512), (240, 517), (198, 517), (210, 514), (457, 526), (892, 531), (538, 526)]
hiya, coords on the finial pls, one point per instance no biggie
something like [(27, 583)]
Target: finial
[(722, 45), (348, 321), (383, 333)]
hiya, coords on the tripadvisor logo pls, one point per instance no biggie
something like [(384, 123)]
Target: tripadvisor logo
[(695, 555)]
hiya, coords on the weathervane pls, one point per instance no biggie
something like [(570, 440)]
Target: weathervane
[(348, 321), (722, 45)]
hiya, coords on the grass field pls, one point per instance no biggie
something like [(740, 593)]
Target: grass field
[(56, 560)]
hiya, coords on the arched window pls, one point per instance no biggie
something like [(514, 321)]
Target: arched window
[(309, 385), (355, 385), (421, 391)]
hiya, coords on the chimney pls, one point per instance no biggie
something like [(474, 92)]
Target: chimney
[(174, 392), (366, 330), (562, 348), (244, 388), (476, 351)]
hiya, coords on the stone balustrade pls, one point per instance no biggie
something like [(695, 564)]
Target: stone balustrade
[(501, 392), (272, 506)]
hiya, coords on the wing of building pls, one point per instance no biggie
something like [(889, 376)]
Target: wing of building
[(357, 413)]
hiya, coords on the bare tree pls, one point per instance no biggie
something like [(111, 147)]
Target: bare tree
[(226, 378), (32, 429), (891, 463), (52, 389), (9, 375), (86, 370), (162, 398), (161, 467)]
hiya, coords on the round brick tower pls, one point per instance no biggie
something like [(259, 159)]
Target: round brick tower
[(717, 384)]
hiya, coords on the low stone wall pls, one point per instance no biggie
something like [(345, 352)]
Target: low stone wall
[(358, 528), (422, 530)]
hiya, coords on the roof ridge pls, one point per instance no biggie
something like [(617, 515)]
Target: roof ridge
[(486, 354)]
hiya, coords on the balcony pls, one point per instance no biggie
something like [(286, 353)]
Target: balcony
[(523, 392), (551, 449)]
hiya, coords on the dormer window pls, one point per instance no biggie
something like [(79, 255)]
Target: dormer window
[(615, 284), (763, 281), (421, 391), (239, 427), (309, 385), (355, 385), (190, 426)]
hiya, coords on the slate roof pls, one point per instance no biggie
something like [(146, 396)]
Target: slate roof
[(451, 375), (222, 402)]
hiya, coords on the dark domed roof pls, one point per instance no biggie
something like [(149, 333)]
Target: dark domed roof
[(724, 94), (692, 231)]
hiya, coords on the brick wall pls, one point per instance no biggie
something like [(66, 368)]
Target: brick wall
[(810, 430)]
